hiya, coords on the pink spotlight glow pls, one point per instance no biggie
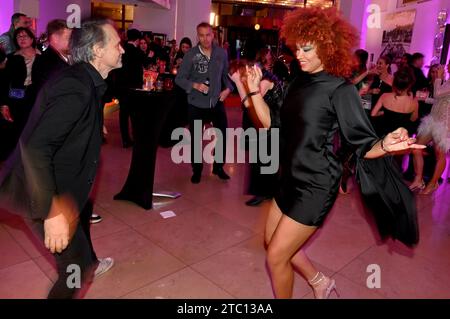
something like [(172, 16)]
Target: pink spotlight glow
[(5, 15)]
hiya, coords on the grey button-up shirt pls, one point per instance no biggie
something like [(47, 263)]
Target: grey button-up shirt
[(196, 67)]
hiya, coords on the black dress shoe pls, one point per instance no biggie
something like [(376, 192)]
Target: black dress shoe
[(196, 177), (256, 200), (221, 173)]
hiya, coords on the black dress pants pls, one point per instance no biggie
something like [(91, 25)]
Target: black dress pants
[(79, 252), (218, 116)]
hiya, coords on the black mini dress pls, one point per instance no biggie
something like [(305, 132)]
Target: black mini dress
[(315, 107)]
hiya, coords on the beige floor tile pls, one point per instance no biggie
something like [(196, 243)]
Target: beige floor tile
[(134, 215), (401, 276), (253, 218), (24, 281), (10, 251), (184, 284), (195, 235), (33, 246), (137, 263), (47, 264), (336, 244), (242, 271), (109, 224)]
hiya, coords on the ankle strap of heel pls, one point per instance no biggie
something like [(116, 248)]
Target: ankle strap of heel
[(317, 279)]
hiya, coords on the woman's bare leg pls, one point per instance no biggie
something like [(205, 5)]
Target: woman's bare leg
[(300, 261), (418, 162), (285, 237), (438, 170)]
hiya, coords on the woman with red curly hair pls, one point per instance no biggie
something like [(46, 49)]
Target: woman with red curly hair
[(316, 105)]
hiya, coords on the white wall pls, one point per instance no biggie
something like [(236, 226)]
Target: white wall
[(354, 12), (51, 9), (424, 30), (154, 19), (6, 12), (190, 14), (28, 7), (178, 22), (42, 10)]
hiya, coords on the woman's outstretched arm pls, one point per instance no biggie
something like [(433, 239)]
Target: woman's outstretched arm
[(262, 110)]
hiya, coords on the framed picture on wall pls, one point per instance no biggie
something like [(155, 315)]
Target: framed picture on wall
[(397, 34), (403, 3)]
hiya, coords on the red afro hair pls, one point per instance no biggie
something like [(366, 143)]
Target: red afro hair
[(333, 37)]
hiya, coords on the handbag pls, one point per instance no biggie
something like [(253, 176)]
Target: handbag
[(16, 94)]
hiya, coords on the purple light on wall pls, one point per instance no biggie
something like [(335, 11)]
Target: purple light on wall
[(5, 15), (363, 34)]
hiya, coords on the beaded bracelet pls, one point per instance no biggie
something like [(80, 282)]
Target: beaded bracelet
[(248, 95)]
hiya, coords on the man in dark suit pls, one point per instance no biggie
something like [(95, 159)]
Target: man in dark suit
[(56, 57), (53, 61), (129, 76), (417, 62), (52, 171)]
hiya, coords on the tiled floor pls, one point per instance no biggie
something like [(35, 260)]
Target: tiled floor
[(213, 248)]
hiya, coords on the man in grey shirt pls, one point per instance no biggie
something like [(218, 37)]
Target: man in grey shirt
[(203, 74), (6, 39)]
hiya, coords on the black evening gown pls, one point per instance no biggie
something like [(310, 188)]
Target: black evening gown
[(316, 106), (391, 120)]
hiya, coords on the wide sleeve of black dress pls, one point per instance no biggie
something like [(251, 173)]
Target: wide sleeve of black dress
[(384, 192)]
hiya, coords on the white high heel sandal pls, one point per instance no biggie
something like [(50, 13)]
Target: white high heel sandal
[(320, 281)]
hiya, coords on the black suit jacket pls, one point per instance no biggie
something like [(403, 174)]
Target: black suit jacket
[(59, 149), (421, 81), (49, 64)]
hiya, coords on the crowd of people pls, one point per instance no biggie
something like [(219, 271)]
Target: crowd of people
[(325, 97), (406, 99)]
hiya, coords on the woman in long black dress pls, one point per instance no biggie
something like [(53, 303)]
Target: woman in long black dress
[(315, 107), (262, 186)]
